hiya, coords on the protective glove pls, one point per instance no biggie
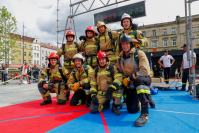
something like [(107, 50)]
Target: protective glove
[(41, 83), (82, 38), (125, 82), (75, 86)]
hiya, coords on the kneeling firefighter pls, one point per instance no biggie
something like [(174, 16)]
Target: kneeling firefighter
[(56, 81), (134, 66), (79, 81), (107, 86)]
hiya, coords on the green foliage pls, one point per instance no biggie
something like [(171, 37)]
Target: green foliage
[(7, 26)]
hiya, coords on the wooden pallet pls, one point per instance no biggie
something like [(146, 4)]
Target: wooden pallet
[(164, 86)]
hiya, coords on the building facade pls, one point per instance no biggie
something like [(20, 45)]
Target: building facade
[(170, 36), (44, 52), (23, 50), (36, 53)]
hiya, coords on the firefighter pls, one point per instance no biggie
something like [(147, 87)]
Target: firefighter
[(56, 81), (131, 29), (108, 86), (89, 46), (79, 81), (107, 40), (68, 50), (134, 66)]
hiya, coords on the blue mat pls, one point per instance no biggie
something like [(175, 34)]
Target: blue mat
[(175, 112)]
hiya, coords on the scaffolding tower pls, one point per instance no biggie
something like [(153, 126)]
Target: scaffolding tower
[(74, 11)]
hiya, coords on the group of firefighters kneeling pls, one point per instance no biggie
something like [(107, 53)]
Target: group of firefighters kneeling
[(99, 71)]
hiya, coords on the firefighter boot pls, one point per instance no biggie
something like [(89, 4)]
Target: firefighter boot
[(94, 105), (115, 109), (45, 102), (141, 120), (61, 102), (67, 95), (152, 104)]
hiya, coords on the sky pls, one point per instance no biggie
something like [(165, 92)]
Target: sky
[(39, 16)]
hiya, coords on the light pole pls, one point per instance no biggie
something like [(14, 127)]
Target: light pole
[(23, 44), (189, 38)]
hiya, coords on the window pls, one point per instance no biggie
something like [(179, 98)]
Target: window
[(154, 44), (30, 54), (173, 30), (174, 41), (144, 33), (165, 32), (154, 32), (37, 54), (24, 53), (165, 42)]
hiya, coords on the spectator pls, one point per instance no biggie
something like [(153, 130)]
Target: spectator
[(24, 73), (166, 61), (187, 68), (5, 73), (35, 73), (2, 72)]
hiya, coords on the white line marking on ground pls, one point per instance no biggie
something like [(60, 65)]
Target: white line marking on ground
[(176, 112)]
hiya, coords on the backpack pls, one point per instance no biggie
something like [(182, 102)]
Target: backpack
[(136, 57), (96, 42), (113, 42), (85, 69), (110, 69), (60, 71), (63, 47)]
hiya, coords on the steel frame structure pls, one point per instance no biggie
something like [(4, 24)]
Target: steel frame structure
[(74, 11)]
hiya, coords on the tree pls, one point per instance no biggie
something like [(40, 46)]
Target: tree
[(7, 26)]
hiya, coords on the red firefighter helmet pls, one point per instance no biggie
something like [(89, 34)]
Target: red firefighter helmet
[(101, 55), (69, 33), (91, 28), (53, 55)]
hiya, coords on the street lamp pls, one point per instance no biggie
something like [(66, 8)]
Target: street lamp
[(23, 44), (189, 39)]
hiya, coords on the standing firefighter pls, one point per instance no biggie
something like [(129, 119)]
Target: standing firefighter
[(79, 81), (68, 50), (131, 29), (134, 66), (56, 81), (89, 46), (107, 83), (107, 40)]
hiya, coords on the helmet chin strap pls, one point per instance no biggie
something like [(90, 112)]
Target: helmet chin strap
[(104, 66)]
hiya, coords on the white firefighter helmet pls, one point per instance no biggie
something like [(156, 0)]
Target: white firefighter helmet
[(79, 56), (124, 16)]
